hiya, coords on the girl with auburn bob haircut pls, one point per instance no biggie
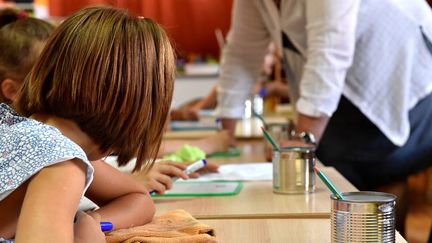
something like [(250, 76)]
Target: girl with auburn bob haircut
[(112, 74), (103, 84)]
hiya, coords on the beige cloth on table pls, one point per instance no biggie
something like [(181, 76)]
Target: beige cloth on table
[(176, 226)]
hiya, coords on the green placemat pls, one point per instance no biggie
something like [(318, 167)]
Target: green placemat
[(203, 188)]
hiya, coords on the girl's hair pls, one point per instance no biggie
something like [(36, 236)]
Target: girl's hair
[(110, 72), (18, 37)]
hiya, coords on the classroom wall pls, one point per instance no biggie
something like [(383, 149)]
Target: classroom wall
[(190, 23)]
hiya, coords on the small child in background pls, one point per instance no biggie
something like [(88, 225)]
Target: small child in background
[(273, 83), (21, 41), (103, 84)]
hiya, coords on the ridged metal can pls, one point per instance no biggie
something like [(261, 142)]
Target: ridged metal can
[(293, 170), (363, 217)]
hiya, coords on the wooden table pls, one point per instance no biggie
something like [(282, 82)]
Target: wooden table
[(257, 214), (257, 200), (274, 230)]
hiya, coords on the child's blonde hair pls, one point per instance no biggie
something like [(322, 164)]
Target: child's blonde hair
[(110, 72)]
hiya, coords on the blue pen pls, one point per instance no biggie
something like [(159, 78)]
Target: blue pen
[(190, 169), (106, 226), (262, 92), (218, 123)]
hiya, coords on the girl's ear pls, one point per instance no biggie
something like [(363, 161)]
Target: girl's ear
[(10, 88)]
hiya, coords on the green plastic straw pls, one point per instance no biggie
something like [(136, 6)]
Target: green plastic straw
[(270, 139), (328, 183), (259, 117)]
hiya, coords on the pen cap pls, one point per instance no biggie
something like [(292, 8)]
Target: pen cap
[(195, 166), (262, 92), (106, 226)]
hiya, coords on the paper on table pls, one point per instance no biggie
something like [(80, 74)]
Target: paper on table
[(227, 172), (240, 172)]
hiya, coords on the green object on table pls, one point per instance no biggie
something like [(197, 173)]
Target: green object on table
[(232, 152), (186, 153), (328, 183)]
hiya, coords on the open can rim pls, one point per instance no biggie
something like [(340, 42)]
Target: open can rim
[(384, 197), (296, 149)]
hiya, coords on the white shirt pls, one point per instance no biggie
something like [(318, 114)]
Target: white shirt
[(372, 51)]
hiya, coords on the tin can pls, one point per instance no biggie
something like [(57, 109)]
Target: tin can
[(363, 217), (293, 170)]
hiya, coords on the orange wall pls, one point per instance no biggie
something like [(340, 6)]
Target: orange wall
[(190, 23)]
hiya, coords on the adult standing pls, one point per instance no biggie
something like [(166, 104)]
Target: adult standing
[(360, 75)]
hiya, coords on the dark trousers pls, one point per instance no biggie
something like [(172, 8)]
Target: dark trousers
[(365, 156)]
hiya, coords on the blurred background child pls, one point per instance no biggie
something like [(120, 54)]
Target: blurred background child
[(21, 41), (272, 86)]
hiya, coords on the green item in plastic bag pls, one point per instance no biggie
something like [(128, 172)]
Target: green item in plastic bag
[(186, 153)]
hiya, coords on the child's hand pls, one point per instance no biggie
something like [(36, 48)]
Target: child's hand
[(87, 228), (277, 89), (159, 178), (185, 114)]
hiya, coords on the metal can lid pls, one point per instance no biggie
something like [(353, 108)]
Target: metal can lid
[(366, 196), (298, 149)]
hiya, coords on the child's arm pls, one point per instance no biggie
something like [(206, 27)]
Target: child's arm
[(50, 203), (191, 111), (208, 102), (277, 89), (122, 200)]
